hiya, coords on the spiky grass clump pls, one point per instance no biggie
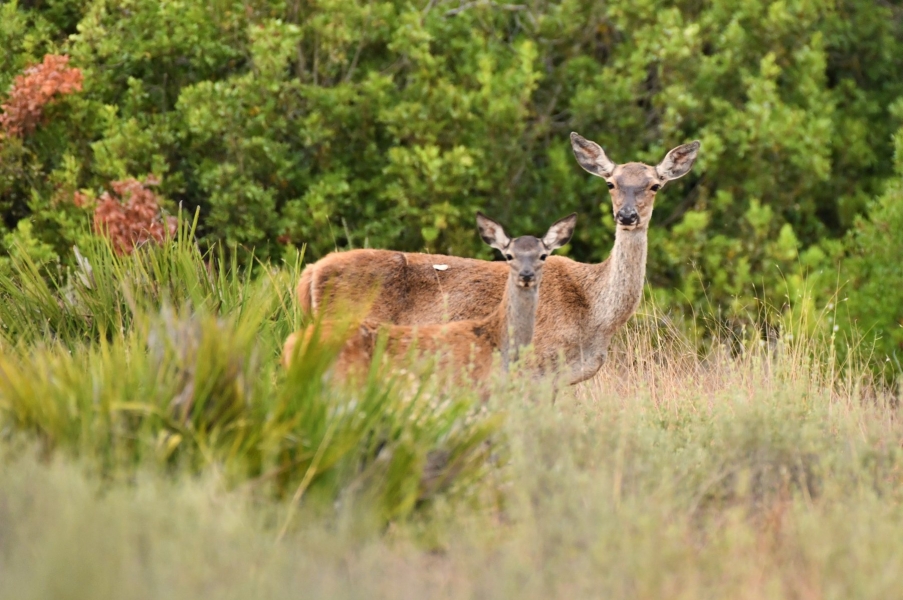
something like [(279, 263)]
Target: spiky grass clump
[(102, 296), (167, 358)]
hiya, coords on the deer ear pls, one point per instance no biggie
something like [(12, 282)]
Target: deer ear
[(492, 233), (560, 232), (678, 161), (591, 156)]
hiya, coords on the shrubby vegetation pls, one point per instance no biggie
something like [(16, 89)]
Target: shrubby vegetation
[(166, 360), (152, 448), (347, 124)]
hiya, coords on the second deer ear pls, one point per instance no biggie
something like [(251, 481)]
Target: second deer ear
[(591, 156), (492, 233), (560, 232), (678, 161)]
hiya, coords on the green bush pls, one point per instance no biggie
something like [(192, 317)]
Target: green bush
[(874, 284)]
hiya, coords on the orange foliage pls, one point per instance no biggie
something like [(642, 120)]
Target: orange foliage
[(130, 216), (32, 90), (82, 200)]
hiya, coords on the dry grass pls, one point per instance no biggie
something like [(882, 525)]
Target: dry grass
[(153, 448), (751, 475)]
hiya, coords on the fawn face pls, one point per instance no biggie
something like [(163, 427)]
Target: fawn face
[(633, 185), (526, 254)]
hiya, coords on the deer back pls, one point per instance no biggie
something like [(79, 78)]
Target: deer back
[(411, 291), (408, 288)]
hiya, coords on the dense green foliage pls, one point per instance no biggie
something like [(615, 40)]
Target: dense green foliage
[(876, 292), (343, 123)]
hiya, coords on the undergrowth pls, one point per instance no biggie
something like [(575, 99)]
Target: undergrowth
[(153, 447), (167, 358)]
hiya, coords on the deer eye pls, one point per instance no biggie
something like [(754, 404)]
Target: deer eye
[(509, 257), (610, 185), (543, 256), (655, 187)]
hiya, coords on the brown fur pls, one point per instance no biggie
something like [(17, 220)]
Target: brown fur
[(465, 346), (304, 291), (580, 305), (356, 344)]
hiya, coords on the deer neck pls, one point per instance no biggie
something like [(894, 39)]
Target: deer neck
[(517, 318), (620, 285)]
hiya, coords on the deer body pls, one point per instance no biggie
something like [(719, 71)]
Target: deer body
[(507, 326), (581, 307)]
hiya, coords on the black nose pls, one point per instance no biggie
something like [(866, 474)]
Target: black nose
[(527, 278), (628, 216)]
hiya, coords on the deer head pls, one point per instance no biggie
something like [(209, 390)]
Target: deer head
[(633, 185), (526, 254)]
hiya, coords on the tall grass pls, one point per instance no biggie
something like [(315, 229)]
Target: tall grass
[(737, 480), (105, 292), (167, 358), (754, 469)]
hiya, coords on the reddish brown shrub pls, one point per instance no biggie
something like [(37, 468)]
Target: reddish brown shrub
[(130, 216), (82, 200), (32, 90)]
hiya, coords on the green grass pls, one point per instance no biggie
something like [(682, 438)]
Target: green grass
[(168, 360), (153, 448)]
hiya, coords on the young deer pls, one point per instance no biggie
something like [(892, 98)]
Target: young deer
[(471, 343), (582, 305)]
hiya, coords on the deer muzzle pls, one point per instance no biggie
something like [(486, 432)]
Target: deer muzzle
[(628, 216)]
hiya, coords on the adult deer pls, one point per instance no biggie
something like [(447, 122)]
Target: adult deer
[(471, 343), (582, 305)]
